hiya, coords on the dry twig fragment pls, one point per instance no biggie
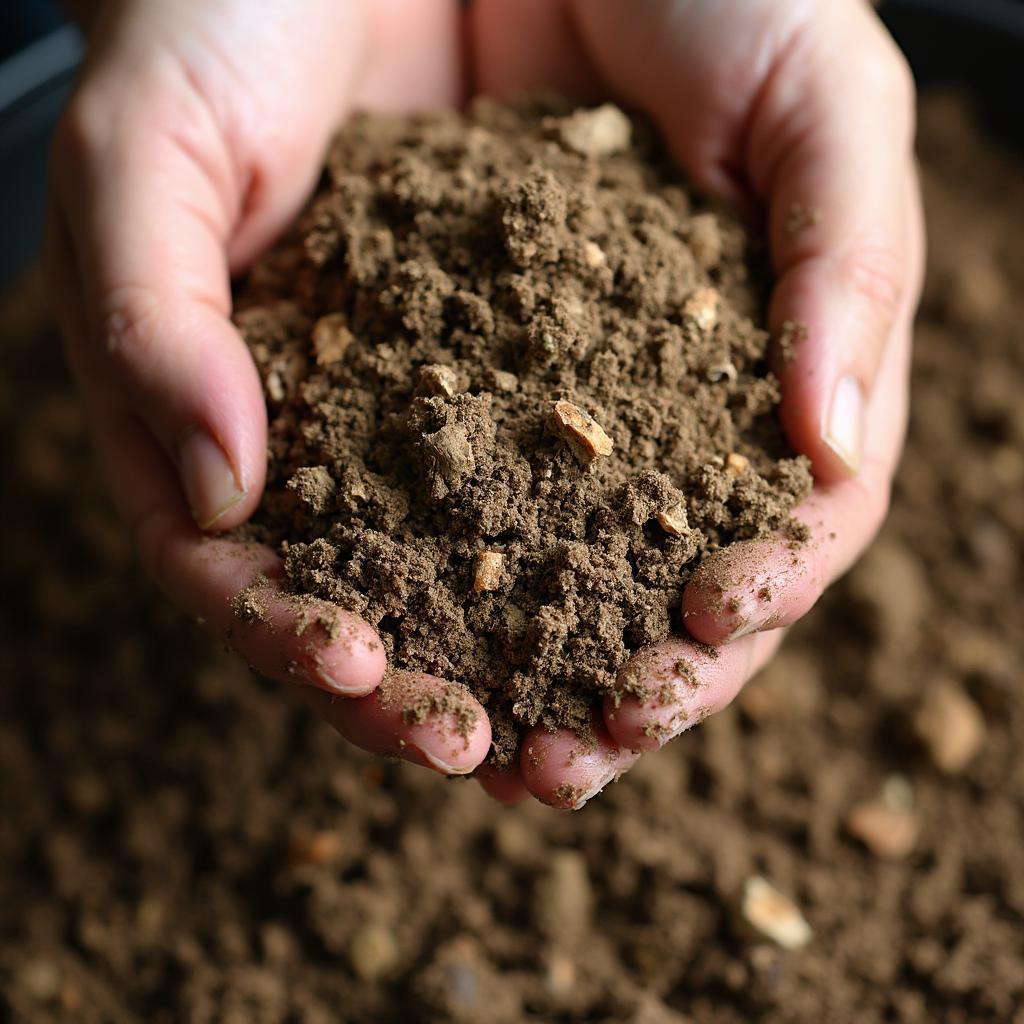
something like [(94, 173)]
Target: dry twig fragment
[(776, 916), (331, 337), (580, 431), (487, 571), (736, 464), (673, 521), (702, 308)]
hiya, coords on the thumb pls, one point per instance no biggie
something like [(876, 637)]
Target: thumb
[(148, 214), (830, 154)]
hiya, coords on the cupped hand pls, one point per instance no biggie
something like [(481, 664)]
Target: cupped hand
[(195, 135), (800, 114)]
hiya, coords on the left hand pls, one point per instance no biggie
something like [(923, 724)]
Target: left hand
[(776, 108)]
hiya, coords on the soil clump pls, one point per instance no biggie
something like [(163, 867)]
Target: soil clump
[(518, 385)]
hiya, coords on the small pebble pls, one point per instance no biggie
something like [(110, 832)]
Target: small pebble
[(372, 951), (888, 832), (950, 726), (775, 916), (598, 132)]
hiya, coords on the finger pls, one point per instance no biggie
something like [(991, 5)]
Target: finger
[(506, 787), (416, 717), (412, 56), (677, 684), (830, 155), (529, 44), (805, 110), (769, 583), (233, 588), (564, 770), (147, 229), (773, 582)]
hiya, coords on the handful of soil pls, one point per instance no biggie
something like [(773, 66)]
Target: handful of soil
[(517, 385)]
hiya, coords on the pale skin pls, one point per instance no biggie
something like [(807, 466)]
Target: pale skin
[(194, 138)]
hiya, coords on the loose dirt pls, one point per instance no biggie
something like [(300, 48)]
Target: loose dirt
[(518, 385), (179, 841)]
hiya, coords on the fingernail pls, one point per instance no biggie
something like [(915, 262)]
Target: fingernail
[(442, 766), (595, 788), (322, 676), (745, 628), (845, 425), (211, 486)]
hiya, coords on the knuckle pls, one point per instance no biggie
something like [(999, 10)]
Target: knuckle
[(876, 275), (79, 132), (128, 326)]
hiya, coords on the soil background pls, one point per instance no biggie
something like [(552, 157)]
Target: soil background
[(178, 841)]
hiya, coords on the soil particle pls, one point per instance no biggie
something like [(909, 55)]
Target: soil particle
[(514, 334), (950, 725), (774, 915)]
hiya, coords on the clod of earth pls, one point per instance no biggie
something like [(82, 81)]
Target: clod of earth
[(518, 384)]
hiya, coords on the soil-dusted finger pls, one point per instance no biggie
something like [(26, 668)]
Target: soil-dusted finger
[(772, 582), (233, 588), (506, 787), (227, 585), (420, 718), (288, 637), (564, 770), (676, 685)]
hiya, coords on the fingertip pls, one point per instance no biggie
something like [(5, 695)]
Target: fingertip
[(222, 461), (709, 616), (353, 662), (673, 686), (628, 724), (419, 718), (657, 699), (825, 356), (564, 770), (729, 593)]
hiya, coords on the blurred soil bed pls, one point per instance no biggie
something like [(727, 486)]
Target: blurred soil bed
[(179, 841)]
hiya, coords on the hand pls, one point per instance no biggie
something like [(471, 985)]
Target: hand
[(175, 165), (801, 112), (194, 137)]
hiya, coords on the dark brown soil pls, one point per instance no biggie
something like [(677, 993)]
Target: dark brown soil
[(517, 388), (178, 841)]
